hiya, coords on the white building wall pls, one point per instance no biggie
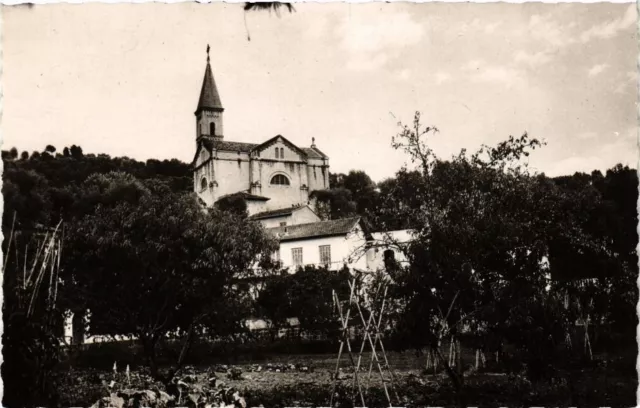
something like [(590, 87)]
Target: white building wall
[(383, 241), (346, 249)]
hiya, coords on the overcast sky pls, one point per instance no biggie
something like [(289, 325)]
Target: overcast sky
[(125, 79)]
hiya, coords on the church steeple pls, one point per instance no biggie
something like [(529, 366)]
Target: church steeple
[(209, 110)]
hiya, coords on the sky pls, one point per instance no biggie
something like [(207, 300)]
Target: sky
[(124, 79)]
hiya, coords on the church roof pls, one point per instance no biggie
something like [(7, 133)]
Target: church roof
[(209, 96), (246, 196), (277, 213), (273, 213), (315, 229), (314, 153), (228, 146)]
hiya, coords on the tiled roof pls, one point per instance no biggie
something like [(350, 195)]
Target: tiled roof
[(315, 229), (229, 146), (246, 196), (273, 213), (209, 97)]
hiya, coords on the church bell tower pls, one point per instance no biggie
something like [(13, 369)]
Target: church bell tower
[(209, 111)]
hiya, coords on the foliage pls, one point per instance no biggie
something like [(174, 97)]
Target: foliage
[(148, 261), (308, 294), (31, 318), (41, 189), (234, 203), (485, 232)]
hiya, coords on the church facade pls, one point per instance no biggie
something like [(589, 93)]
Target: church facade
[(271, 175)]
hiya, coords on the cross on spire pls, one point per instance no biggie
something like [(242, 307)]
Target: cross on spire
[(208, 48)]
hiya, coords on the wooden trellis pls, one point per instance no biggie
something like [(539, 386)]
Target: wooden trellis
[(371, 337)]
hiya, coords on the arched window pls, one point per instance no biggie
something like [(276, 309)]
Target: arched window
[(277, 153), (203, 183), (212, 129), (282, 152), (280, 180)]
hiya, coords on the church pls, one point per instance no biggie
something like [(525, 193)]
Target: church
[(273, 175), (276, 179)]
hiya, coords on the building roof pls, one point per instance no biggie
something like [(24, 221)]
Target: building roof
[(315, 229), (313, 153), (209, 96), (273, 213), (278, 212), (246, 195), (228, 146), (243, 147)]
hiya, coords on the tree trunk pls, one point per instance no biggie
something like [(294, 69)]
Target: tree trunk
[(149, 349), (455, 379)]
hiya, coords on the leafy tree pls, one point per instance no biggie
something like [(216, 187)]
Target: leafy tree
[(148, 262), (484, 230), (233, 203), (13, 153), (76, 152), (335, 203), (50, 149), (24, 155), (65, 152), (307, 295)]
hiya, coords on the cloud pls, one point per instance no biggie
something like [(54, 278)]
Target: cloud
[(504, 75), (477, 26), (597, 70), (379, 31), (480, 71), (442, 77), (367, 62), (611, 28), (403, 75), (546, 29), (372, 38), (532, 59)]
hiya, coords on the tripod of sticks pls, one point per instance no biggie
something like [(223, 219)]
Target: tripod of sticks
[(372, 337)]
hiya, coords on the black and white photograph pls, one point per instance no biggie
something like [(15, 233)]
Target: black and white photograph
[(243, 205)]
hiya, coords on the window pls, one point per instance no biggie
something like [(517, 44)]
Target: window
[(277, 153), (280, 180), (296, 255), (203, 183), (389, 259), (283, 224), (325, 254), (212, 129), (282, 152), (292, 167)]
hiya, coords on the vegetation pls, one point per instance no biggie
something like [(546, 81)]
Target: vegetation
[(503, 264)]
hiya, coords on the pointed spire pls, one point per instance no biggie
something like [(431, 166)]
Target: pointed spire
[(209, 97)]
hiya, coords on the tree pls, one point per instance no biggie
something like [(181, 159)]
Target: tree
[(148, 262), (13, 153), (65, 152), (307, 295), (484, 229), (24, 155), (76, 152), (335, 203), (50, 149), (233, 203)]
